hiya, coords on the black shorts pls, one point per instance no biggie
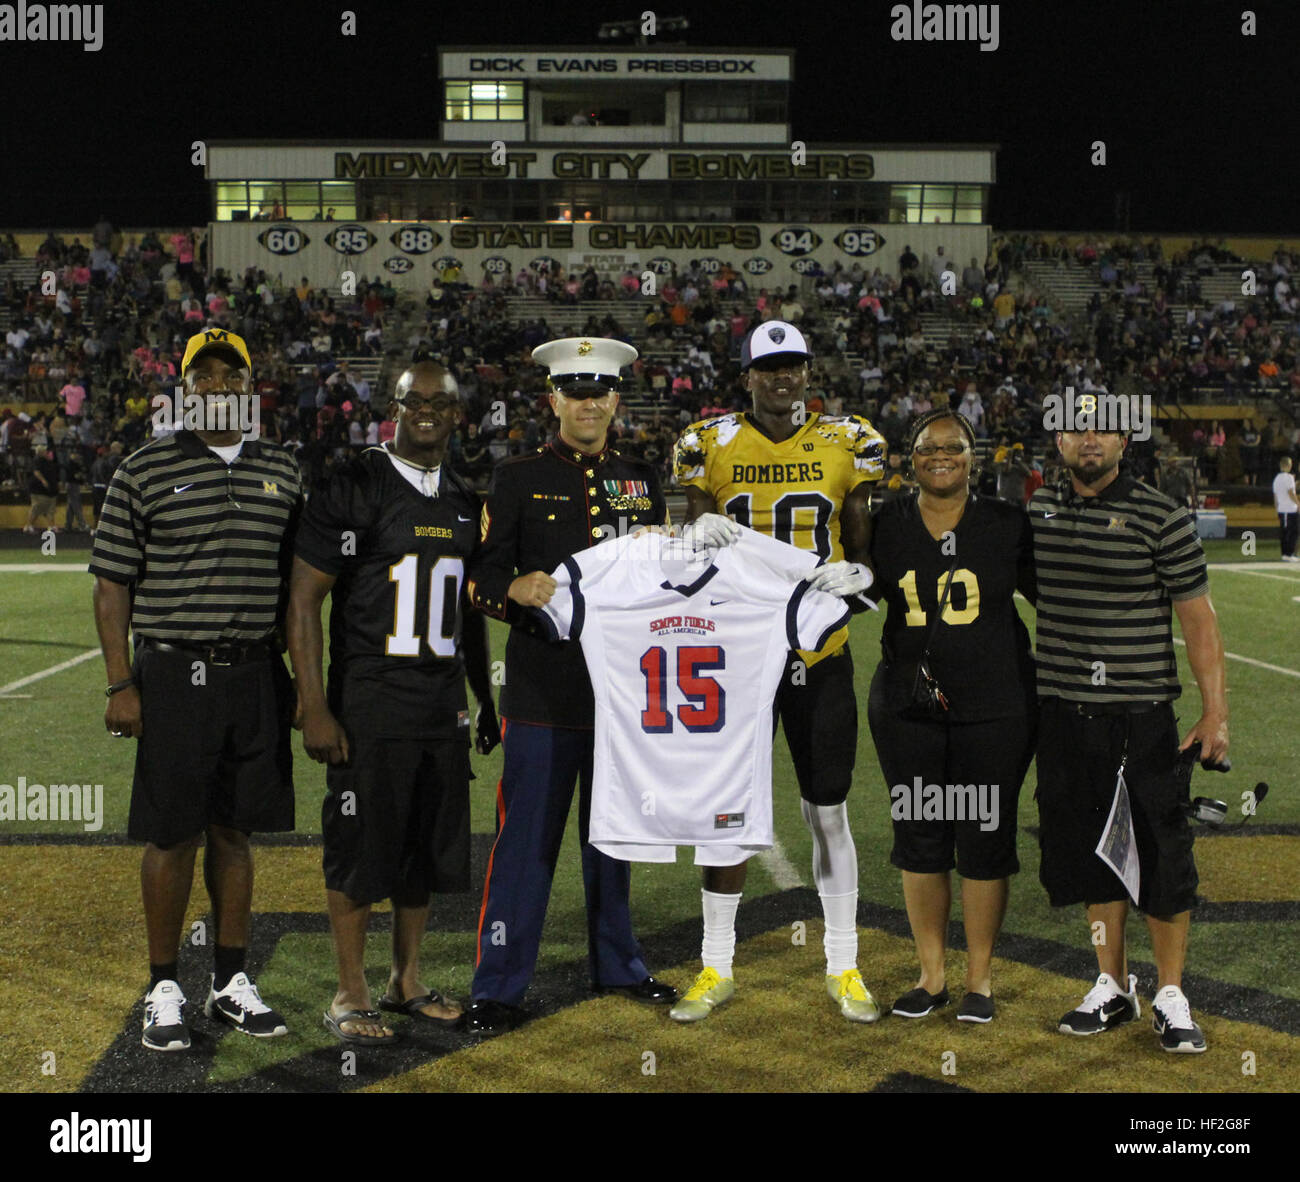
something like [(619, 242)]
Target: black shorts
[(405, 832), (978, 827), (212, 754), (819, 713), (1078, 758)]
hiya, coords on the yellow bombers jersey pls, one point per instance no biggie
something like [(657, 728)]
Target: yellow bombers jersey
[(791, 490)]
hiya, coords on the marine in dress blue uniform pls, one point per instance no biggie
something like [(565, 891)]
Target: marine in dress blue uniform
[(541, 508)]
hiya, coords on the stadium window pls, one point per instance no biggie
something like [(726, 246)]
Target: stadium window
[(456, 100), (905, 203), (970, 201), (302, 200), (937, 203), (232, 201), (340, 196), (491, 101), (266, 200)]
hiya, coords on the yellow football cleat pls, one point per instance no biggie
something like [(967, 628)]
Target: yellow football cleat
[(852, 996), (708, 992)]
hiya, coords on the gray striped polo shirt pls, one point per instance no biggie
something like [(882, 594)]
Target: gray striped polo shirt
[(1109, 568), (206, 546)]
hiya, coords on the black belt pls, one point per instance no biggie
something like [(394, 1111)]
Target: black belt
[(1104, 709), (216, 654)]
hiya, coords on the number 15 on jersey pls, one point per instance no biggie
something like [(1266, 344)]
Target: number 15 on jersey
[(704, 709)]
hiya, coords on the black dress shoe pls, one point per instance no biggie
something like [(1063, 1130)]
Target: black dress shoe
[(485, 1016), (649, 991)]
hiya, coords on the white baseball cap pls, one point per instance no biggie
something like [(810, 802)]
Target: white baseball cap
[(771, 339)]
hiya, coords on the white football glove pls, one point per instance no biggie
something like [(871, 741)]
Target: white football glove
[(841, 578), (711, 530)]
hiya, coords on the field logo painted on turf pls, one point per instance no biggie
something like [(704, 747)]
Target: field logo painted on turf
[(55, 802), (949, 802), (78, 1134)]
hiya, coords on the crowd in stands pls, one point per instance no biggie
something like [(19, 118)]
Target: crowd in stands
[(108, 340)]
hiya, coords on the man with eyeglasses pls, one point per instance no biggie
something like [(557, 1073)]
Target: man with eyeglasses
[(390, 536), (1115, 559), (802, 478), (192, 555), (543, 507)]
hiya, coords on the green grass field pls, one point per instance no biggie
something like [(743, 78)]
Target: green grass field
[(66, 902)]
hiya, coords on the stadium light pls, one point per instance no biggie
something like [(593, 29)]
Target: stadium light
[(615, 30)]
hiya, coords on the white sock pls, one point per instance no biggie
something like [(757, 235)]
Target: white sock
[(841, 938), (835, 871), (719, 931)]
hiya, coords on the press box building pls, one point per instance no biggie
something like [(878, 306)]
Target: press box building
[(619, 157)]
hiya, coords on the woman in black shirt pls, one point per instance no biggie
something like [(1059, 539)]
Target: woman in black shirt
[(954, 769)]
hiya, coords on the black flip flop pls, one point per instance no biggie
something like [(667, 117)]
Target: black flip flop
[(335, 1026), (412, 1007)]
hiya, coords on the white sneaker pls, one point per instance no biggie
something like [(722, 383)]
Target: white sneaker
[(1173, 1022), (240, 1005), (1104, 1007), (164, 1023), (1290, 558)]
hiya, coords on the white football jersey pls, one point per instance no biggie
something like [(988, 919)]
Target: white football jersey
[(686, 650)]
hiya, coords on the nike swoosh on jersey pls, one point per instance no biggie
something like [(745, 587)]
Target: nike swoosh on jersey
[(1047, 515), (180, 488), (460, 518), (715, 602)]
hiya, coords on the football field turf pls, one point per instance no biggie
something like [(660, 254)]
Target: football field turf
[(73, 965)]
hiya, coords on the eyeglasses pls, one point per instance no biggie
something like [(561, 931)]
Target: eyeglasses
[(933, 449), (438, 405)]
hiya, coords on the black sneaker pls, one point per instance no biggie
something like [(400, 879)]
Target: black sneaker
[(164, 1022), (241, 1006), (1173, 1022), (1105, 1007), (975, 1007), (916, 1003)]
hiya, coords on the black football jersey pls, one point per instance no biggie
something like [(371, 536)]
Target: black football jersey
[(980, 653), (400, 559)]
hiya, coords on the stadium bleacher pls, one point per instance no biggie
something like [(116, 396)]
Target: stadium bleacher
[(1198, 346)]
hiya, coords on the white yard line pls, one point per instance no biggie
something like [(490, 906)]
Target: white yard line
[(59, 668), (1259, 574), (1252, 661), (40, 568), (779, 867)]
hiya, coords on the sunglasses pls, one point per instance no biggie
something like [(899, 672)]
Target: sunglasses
[(439, 405)]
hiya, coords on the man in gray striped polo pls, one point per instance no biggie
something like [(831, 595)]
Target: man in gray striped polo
[(1113, 556), (191, 556)]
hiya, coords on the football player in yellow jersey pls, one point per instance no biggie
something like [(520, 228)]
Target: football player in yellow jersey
[(805, 479)]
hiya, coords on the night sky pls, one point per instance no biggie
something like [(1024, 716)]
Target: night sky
[(1200, 122)]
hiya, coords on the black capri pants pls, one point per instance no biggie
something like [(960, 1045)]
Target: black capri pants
[(977, 826)]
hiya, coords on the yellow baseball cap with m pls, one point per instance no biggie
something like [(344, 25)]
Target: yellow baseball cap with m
[(214, 339)]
